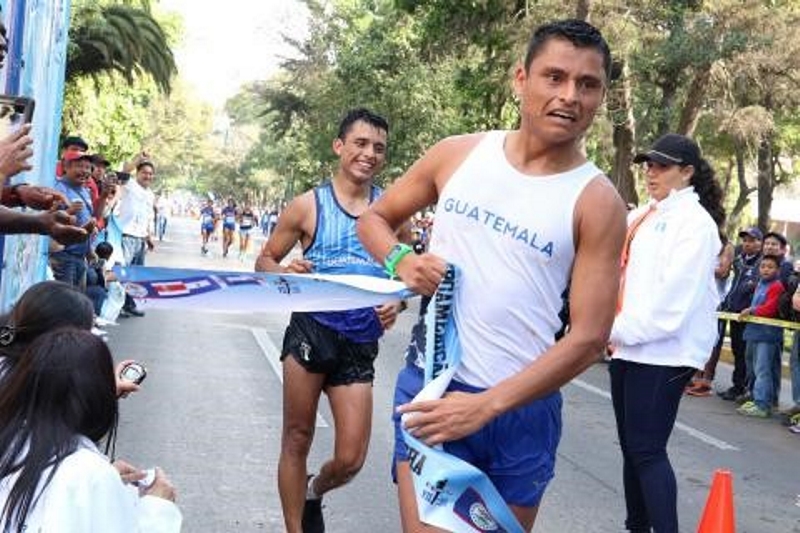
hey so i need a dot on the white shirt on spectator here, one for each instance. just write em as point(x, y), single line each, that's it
point(135, 209)
point(87, 494)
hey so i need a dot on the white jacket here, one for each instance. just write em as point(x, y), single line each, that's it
point(668, 314)
point(87, 495)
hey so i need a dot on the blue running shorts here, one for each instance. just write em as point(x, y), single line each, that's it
point(516, 450)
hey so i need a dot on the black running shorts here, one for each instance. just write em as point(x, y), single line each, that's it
point(322, 350)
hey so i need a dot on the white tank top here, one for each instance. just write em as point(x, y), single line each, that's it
point(511, 235)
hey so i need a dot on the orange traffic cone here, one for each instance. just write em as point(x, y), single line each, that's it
point(718, 513)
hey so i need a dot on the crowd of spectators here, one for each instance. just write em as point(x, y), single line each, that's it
point(758, 279)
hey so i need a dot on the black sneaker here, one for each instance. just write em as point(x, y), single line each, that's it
point(132, 311)
point(312, 517)
point(730, 394)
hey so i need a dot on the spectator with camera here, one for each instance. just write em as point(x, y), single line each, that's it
point(69, 262)
point(15, 154)
point(103, 185)
point(55, 407)
point(43, 307)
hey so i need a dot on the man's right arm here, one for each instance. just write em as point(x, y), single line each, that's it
point(57, 224)
point(418, 188)
point(291, 226)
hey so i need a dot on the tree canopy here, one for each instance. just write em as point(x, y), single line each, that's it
point(724, 72)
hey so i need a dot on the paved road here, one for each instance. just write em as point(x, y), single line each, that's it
point(210, 415)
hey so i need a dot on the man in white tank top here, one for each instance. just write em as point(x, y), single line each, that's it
point(523, 215)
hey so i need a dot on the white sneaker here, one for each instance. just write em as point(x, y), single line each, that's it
point(99, 332)
point(102, 322)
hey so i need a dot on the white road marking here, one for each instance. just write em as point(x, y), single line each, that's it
point(272, 355)
point(692, 432)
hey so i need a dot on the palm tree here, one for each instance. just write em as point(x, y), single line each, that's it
point(118, 38)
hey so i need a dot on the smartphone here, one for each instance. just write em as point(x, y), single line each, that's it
point(134, 372)
point(123, 177)
point(14, 112)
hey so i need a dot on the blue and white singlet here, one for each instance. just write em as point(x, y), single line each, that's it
point(335, 249)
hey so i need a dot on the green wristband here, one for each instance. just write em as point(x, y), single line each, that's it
point(398, 252)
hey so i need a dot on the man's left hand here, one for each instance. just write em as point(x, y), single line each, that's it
point(40, 198)
point(61, 226)
point(387, 314)
point(150, 244)
point(450, 418)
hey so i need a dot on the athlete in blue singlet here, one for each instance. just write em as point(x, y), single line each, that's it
point(207, 219)
point(330, 352)
point(228, 226)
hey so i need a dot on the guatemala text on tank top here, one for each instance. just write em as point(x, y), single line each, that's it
point(511, 235)
point(335, 249)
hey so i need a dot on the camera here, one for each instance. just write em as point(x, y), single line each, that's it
point(14, 112)
point(134, 372)
point(149, 479)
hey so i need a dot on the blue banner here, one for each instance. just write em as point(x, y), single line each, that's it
point(38, 34)
point(237, 292)
point(451, 493)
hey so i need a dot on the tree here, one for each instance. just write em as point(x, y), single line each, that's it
point(118, 38)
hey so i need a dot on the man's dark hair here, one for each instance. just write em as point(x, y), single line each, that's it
point(579, 33)
point(774, 258)
point(62, 388)
point(778, 237)
point(104, 250)
point(74, 140)
point(362, 114)
point(145, 164)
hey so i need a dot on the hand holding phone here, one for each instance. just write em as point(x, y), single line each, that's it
point(15, 143)
point(134, 372)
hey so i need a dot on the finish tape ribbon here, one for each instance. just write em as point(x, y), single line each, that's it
point(241, 292)
point(451, 493)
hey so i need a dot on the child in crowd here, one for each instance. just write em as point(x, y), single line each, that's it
point(764, 343)
point(96, 276)
point(102, 287)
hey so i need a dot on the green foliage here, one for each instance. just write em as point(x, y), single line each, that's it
point(118, 38)
point(109, 113)
point(725, 72)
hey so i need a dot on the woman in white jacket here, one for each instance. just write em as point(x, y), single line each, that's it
point(59, 401)
point(666, 325)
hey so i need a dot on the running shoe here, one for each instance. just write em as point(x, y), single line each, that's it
point(753, 410)
point(795, 429)
point(312, 517)
point(729, 394)
point(312, 514)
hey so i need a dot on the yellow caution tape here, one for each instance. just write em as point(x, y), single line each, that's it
point(759, 320)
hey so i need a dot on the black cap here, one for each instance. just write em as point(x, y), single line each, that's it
point(75, 141)
point(778, 237)
point(672, 149)
point(98, 159)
